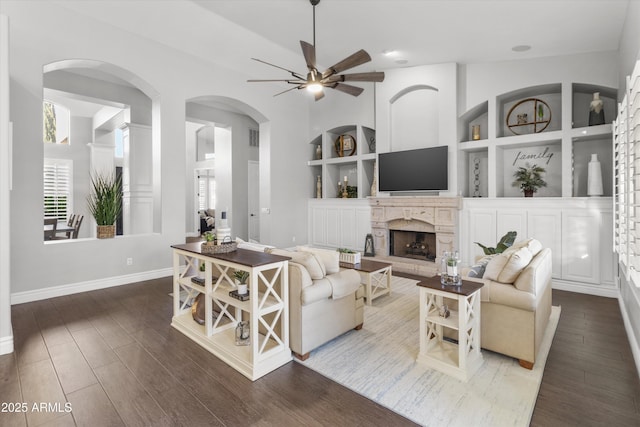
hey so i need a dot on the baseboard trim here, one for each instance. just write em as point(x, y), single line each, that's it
point(6, 345)
point(633, 342)
point(609, 291)
point(90, 285)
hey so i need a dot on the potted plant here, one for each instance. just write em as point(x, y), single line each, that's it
point(105, 203)
point(349, 256)
point(505, 242)
point(241, 281)
point(529, 179)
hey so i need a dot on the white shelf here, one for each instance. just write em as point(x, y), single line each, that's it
point(450, 322)
point(269, 342)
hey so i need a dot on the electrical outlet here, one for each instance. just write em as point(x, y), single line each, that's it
point(129, 261)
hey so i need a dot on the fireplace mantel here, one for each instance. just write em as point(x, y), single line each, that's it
point(430, 214)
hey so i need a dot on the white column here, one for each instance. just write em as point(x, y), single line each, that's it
point(6, 333)
point(137, 179)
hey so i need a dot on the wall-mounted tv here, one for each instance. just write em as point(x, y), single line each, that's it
point(423, 169)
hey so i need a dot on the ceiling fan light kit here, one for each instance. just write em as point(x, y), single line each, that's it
point(315, 81)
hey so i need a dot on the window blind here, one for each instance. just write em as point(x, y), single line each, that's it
point(57, 188)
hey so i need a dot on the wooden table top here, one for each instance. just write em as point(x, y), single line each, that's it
point(239, 256)
point(466, 289)
point(367, 265)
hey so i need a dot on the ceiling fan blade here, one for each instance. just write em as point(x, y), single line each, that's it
point(309, 52)
point(288, 90)
point(319, 95)
point(293, 73)
point(293, 82)
point(351, 90)
point(377, 76)
point(358, 58)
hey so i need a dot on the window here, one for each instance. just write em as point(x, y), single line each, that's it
point(206, 190)
point(58, 178)
point(626, 178)
point(55, 123)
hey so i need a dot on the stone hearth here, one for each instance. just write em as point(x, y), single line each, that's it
point(431, 215)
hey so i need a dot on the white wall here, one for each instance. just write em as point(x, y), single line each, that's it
point(43, 32)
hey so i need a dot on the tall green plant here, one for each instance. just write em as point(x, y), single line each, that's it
point(105, 200)
point(529, 178)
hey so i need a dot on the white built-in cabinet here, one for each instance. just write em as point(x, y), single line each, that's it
point(579, 232)
point(339, 223)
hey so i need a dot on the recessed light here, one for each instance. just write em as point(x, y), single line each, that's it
point(389, 52)
point(401, 61)
point(521, 48)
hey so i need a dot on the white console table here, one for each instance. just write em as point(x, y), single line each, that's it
point(267, 309)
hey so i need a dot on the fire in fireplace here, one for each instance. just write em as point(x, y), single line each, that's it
point(412, 244)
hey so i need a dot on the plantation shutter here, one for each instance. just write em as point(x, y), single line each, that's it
point(57, 188)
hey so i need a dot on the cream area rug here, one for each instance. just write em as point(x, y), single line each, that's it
point(379, 362)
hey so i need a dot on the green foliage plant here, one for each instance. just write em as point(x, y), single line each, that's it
point(505, 242)
point(105, 199)
point(241, 276)
point(529, 178)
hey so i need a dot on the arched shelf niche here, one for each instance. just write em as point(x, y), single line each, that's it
point(414, 118)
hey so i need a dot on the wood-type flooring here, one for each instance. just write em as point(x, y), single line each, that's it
point(111, 358)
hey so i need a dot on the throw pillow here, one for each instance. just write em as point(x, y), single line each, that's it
point(305, 259)
point(477, 269)
point(252, 246)
point(507, 266)
point(329, 258)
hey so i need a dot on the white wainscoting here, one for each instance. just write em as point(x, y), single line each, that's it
point(578, 231)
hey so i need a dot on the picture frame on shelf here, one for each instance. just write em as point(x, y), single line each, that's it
point(345, 145)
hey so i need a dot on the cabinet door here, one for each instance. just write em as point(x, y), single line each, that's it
point(334, 223)
point(607, 258)
point(511, 220)
point(348, 226)
point(482, 229)
point(318, 226)
point(545, 226)
point(581, 246)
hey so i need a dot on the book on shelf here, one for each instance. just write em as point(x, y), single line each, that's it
point(236, 295)
point(198, 280)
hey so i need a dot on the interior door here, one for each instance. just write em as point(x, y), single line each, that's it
point(253, 204)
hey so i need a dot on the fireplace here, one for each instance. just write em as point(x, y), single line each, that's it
point(412, 244)
point(412, 232)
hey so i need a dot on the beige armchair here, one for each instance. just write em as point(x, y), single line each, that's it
point(324, 300)
point(516, 301)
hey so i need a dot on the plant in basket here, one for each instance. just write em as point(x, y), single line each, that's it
point(105, 202)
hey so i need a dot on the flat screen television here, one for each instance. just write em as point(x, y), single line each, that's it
point(423, 169)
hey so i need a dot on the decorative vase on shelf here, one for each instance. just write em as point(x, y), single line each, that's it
point(318, 152)
point(374, 184)
point(596, 110)
point(594, 186)
point(242, 333)
point(319, 187)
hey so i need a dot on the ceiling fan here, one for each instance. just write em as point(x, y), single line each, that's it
point(315, 81)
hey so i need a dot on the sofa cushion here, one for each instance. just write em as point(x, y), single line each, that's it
point(320, 289)
point(330, 258)
point(343, 283)
point(306, 259)
point(534, 246)
point(252, 246)
point(507, 266)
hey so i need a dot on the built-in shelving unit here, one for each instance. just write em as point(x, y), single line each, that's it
point(564, 147)
point(267, 309)
point(332, 168)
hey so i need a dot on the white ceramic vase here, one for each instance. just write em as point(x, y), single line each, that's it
point(594, 187)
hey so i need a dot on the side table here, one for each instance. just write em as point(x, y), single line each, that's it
point(462, 359)
point(375, 276)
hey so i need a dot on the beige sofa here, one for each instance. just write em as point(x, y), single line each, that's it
point(516, 301)
point(325, 301)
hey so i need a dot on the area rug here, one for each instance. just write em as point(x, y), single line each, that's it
point(379, 362)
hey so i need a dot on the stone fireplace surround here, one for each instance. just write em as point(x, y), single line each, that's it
point(437, 215)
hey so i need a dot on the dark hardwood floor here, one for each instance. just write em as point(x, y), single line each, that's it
point(113, 356)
